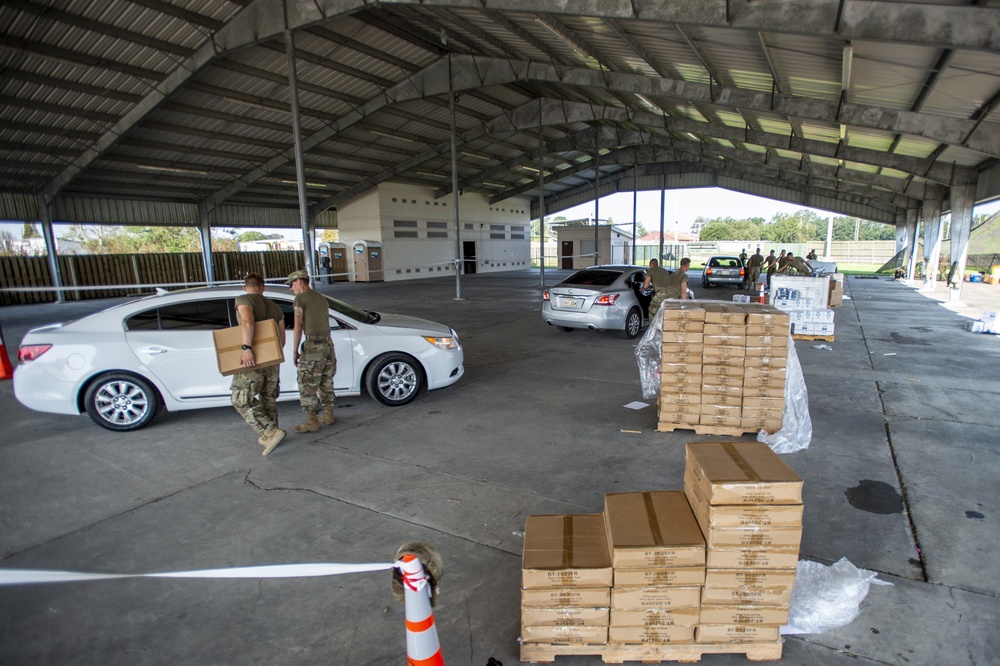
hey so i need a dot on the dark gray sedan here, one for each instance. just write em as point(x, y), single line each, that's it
point(720, 270)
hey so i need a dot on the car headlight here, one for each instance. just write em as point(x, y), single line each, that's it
point(442, 343)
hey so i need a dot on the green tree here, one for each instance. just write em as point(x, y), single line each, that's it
point(252, 235)
point(329, 235)
point(716, 230)
point(30, 231)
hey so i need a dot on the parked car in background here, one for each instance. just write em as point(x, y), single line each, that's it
point(600, 298)
point(723, 270)
point(121, 365)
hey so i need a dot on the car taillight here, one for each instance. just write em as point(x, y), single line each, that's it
point(708, 271)
point(607, 299)
point(545, 296)
point(28, 353)
point(743, 271)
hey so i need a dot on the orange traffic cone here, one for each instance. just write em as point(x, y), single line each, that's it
point(422, 645)
point(6, 369)
point(763, 294)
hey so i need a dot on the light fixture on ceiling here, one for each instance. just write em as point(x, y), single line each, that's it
point(525, 167)
point(256, 105)
point(285, 181)
point(153, 167)
point(845, 67)
point(579, 50)
point(390, 135)
point(648, 103)
point(432, 174)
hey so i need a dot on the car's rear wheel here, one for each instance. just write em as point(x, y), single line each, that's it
point(121, 402)
point(633, 324)
point(394, 379)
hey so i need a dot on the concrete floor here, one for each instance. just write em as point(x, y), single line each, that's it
point(900, 478)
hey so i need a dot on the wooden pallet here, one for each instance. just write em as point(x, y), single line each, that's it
point(803, 336)
point(649, 653)
point(700, 429)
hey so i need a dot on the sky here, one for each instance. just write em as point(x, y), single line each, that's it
point(683, 206)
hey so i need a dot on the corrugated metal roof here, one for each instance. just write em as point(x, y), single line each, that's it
point(78, 88)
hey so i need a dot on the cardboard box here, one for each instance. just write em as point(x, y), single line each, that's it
point(781, 330)
point(719, 421)
point(679, 399)
point(655, 635)
point(688, 325)
point(764, 373)
point(677, 577)
point(721, 410)
point(673, 378)
point(677, 337)
point(682, 309)
point(736, 633)
point(764, 595)
point(672, 366)
point(771, 425)
point(725, 313)
point(717, 370)
point(753, 537)
point(766, 315)
point(662, 597)
point(652, 617)
point(679, 413)
point(565, 616)
point(765, 616)
point(725, 400)
point(750, 578)
point(565, 551)
point(776, 341)
point(725, 387)
point(771, 405)
point(745, 515)
point(677, 349)
point(723, 353)
point(742, 473)
point(738, 330)
point(773, 389)
point(577, 597)
point(761, 358)
point(754, 558)
point(266, 346)
point(564, 635)
point(652, 530)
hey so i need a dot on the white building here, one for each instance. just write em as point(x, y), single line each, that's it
point(417, 231)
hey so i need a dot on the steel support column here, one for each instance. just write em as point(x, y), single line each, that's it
point(912, 231)
point(308, 239)
point(663, 212)
point(597, 208)
point(45, 213)
point(933, 228)
point(205, 234)
point(963, 198)
point(541, 200)
point(454, 184)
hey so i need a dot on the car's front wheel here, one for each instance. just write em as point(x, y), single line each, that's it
point(121, 402)
point(633, 324)
point(394, 379)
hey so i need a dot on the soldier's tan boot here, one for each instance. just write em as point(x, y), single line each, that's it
point(311, 424)
point(327, 418)
point(271, 439)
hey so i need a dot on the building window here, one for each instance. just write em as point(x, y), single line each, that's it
point(437, 225)
point(437, 234)
point(497, 227)
point(517, 236)
point(404, 224)
point(498, 236)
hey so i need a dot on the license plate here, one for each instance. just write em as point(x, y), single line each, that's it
point(571, 302)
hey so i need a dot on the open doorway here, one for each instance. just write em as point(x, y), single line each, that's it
point(468, 257)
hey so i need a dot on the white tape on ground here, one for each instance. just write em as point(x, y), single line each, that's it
point(32, 576)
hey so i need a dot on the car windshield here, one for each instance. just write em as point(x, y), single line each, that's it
point(352, 312)
point(594, 277)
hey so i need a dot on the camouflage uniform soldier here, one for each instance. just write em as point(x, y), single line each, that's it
point(315, 358)
point(666, 284)
point(255, 391)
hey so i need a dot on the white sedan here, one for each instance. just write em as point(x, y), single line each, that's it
point(122, 364)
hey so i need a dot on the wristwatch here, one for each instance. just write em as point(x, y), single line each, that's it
point(245, 347)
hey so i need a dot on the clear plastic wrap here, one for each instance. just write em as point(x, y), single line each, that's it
point(796, 425)
point(647, 355)
point(827, 597)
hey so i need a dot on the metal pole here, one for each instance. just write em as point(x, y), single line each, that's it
point(45, 213)
point(454, 188)
point(300, 174)
point(597, 205)
point(635, 202)
point(541, 200)
point(663, 212)
point(205, 232)
point(829, 239)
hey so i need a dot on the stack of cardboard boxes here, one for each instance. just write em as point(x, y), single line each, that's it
point(807, 302)
point(665, 570)
point(658, 556)
point(748, 503)
point(565, 580)
point(722, 367)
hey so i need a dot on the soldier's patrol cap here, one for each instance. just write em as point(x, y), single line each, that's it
point(298, 275)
